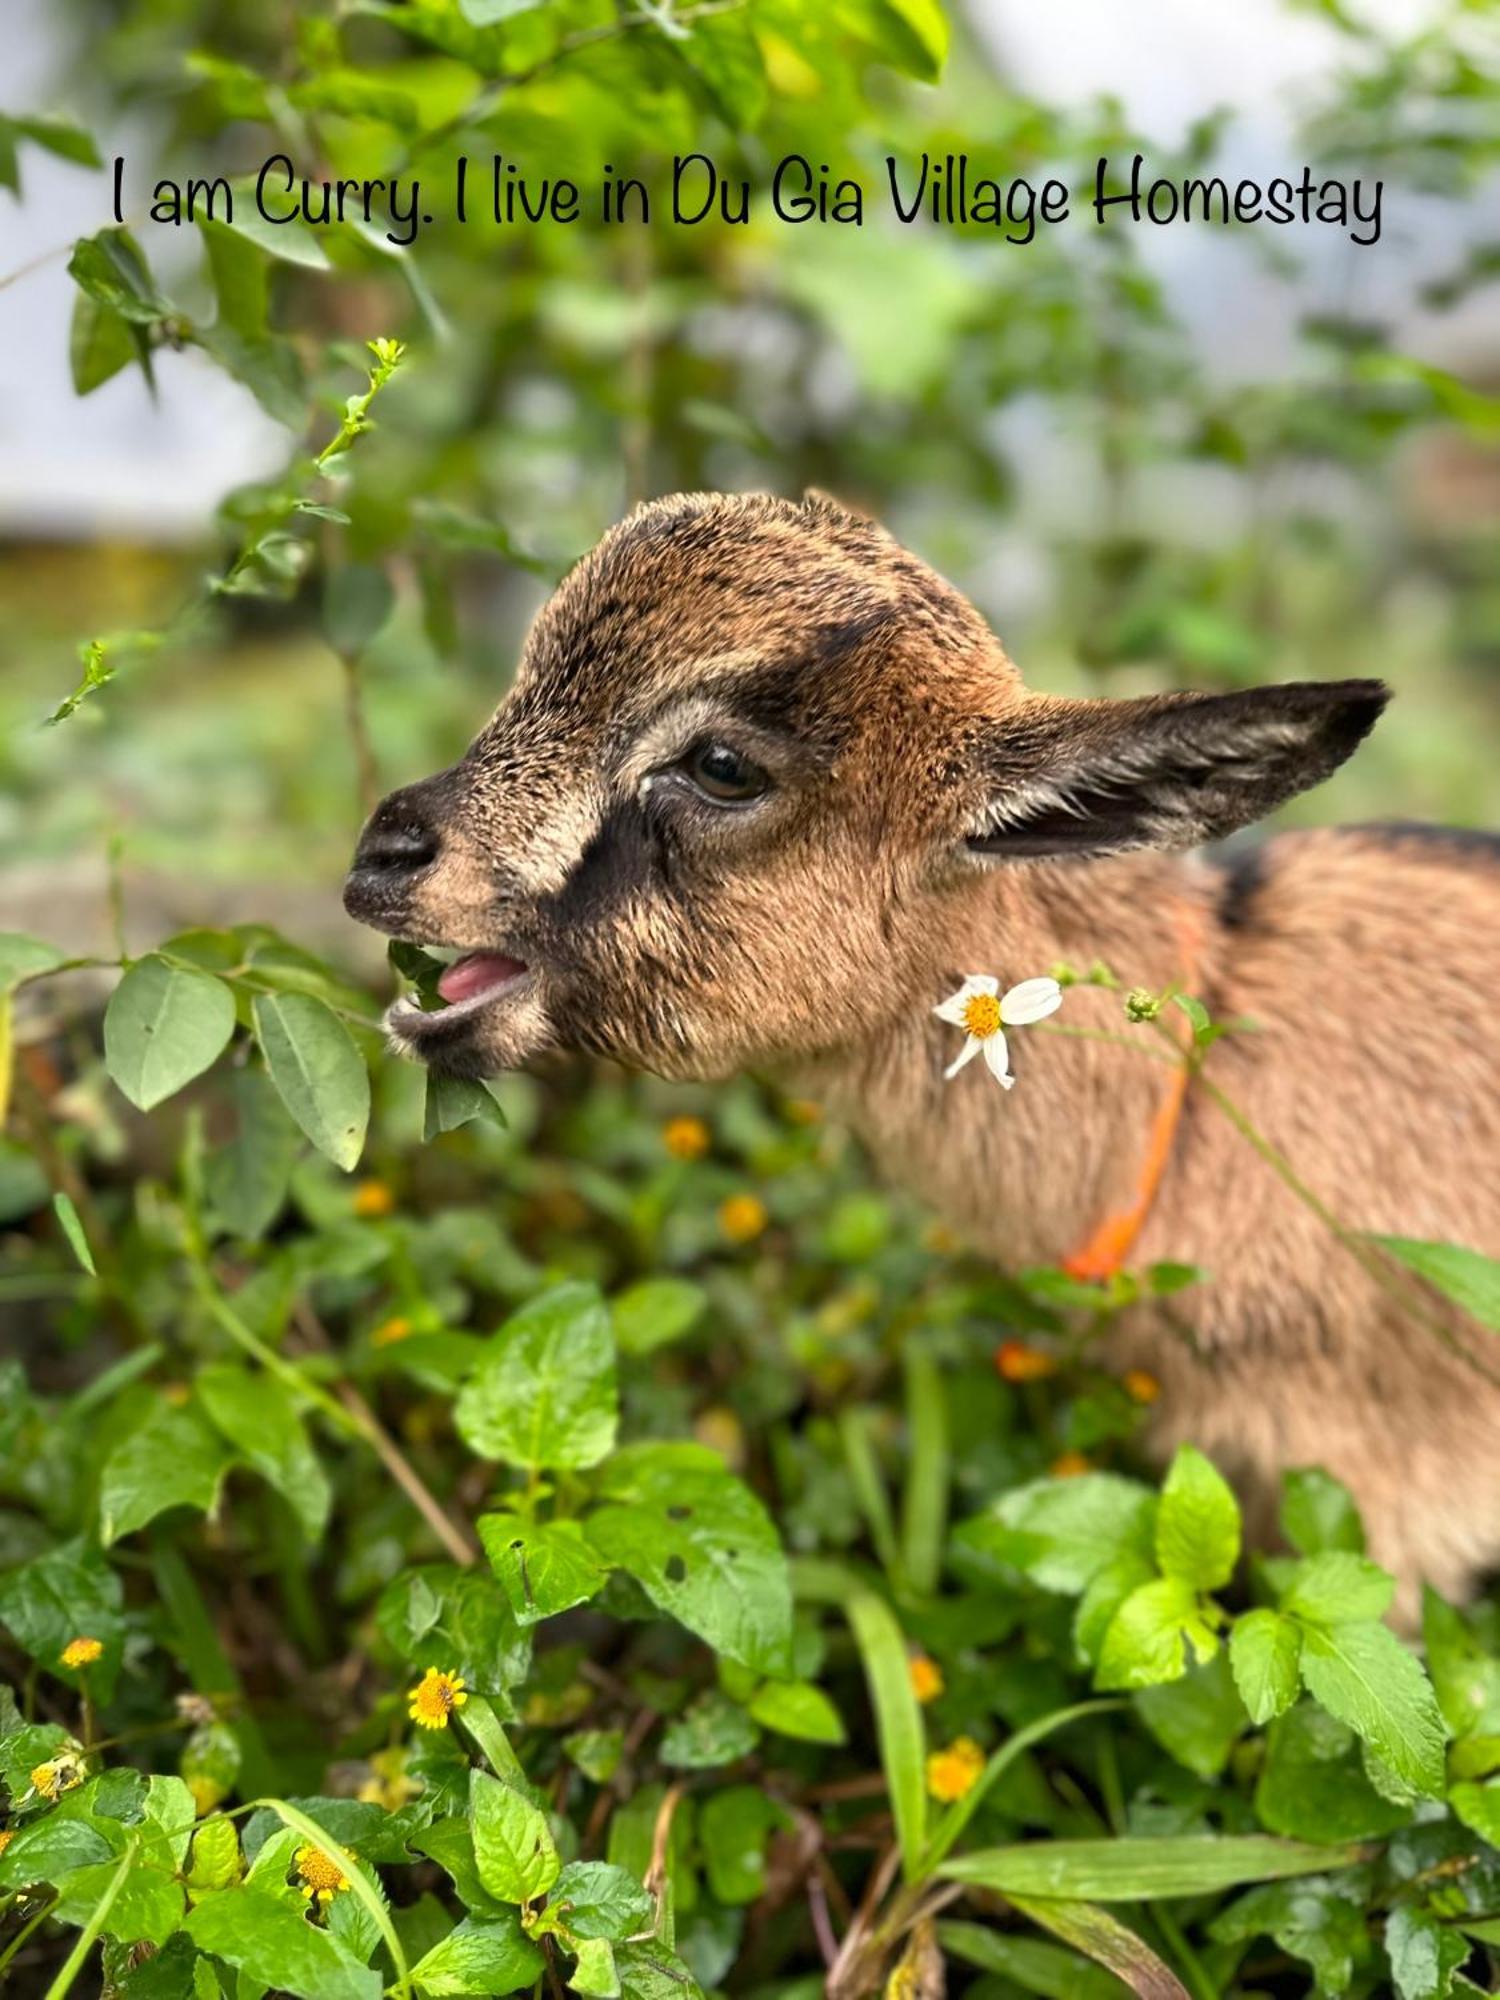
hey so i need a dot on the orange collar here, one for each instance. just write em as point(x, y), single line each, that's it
point(1104, 1251)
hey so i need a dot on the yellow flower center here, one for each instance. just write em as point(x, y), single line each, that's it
point(390, 1331)
point(321, 1873)
point(981, 1016)
point(81, 1652)
point(435, 1697)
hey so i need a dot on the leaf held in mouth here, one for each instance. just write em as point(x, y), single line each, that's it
point(420, 969)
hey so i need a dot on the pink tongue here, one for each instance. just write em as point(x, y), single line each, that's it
point(477, 973)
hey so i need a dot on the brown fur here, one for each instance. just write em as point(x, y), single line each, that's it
point(930, 817)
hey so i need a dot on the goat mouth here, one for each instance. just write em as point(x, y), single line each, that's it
point(471, 985)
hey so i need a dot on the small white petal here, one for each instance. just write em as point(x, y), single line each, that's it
point(997, 1057)
point(981, 982)
point(1032, 1000)
point(966, 1054)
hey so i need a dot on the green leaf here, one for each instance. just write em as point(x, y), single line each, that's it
point(1318, 1514)
point(797, 1708)
point(1198, 1719)
point(173, 1460)
point(702, 1547)
point(1478, 1806)
point(247, 1178)
point(1197, 1523)
point(1062, 1532)
point(1264, 1651)
point(100, 344)
point(257, 1416)
point(62, 137)
point(1424, 1954)
point(163, 1026)
point(649, 1970)
point(1322, 1922)
point(1471, 1280)
point(594, 1970)
point(1313, 1785)
point(655, 1311)
point(319, 1072)
point(1138, 1869)
point(545, 1568)
point(452, 1101)
point(480, 1955)
point(438, 1615)
point(269, 1940)
point(899, 1730)
point(109, 267)
point(1029, 1963)
point(911, 34)
point(1107, 1941)
point(289, 242)
point(1465, 1677)
point(23, 957)
point(596, 1752)
point(71, 1224)
point(1145, 1641)
point(735, 1825)
point(544, 1395)
point(1364, 1676)
point(68, 1592)
point(1337, 1588)
point(711, 1731)
point(594, 1899)
point(513, 1846)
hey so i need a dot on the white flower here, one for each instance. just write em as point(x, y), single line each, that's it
point(981, 1010)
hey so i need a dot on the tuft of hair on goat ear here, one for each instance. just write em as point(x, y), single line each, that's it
point(1081, 778)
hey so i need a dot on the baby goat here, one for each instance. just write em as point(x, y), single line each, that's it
point(766, 788)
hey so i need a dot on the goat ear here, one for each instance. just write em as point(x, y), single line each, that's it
point(1098, 777)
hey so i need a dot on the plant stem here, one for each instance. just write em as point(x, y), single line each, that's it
point(73, 1964)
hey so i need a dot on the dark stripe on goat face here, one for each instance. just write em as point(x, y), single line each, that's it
point(624, 859)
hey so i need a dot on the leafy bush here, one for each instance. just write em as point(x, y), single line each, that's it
point(608, 1547)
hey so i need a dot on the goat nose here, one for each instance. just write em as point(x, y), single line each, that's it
point(397, 841)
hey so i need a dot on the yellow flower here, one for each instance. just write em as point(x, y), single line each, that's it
point(388, 1784)
point(802, 1111)
point(1068, 1465)
point(373, 1198)
point(954, 1771)
point(82, 1652)
point(686, 1138)
point(742, 1217)
point(61, 1774)
point(926, 1678)
point(390, 1331)
point(1019, 1363)
point(7, 1835)
point(1139, 1386)
point(321, 1875)
point(435, 1697)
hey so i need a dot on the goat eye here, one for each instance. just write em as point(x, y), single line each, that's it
point(723, 774)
